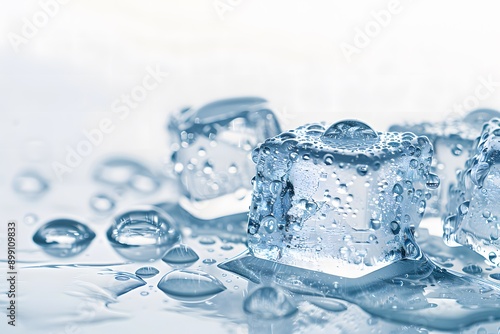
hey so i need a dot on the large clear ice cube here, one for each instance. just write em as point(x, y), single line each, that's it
point(211, 153)
point(343, 200)
point(452, 140)
point(474, 221)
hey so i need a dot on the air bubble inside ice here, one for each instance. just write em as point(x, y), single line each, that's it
point(144, 234)
point(63, 237)
point(190, 285)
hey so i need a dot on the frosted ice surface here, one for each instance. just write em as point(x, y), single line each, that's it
point(211, 152)
point(473, 204)
point(342, 200)
point(452, 140)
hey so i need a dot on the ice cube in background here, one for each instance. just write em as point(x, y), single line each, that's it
point(474, 221)
point(211, 153)
point(452, 140)
point(343, 200)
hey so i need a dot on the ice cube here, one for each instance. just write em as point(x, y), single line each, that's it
point(211, 153)
point(343, 200)
point(452, 140)
point(474, 219)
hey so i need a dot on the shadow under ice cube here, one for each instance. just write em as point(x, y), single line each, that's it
point(452, 140)
point(474, 222)
point(212, 147)
point(343, 200)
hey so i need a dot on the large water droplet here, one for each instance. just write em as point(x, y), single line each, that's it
point(180, 256)
point(143, 234)
point(147, 272)
point(63, 237)
point(269, 303)
point(190, 285)
point(349, 129)
point(30, 184)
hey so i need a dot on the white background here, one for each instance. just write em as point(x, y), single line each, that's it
point(64, 79)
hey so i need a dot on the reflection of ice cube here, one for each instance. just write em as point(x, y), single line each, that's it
point(474, 200)
point(344, 200)
point(452, 139)
point(212, 147)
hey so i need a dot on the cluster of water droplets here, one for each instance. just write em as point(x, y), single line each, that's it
point(452, 139)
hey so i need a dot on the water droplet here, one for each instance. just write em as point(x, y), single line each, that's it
point(413, 163)
point(190, 285)
point(233, 169)
point(180, 256)
point(120, 277)
point(143, 234)
point(395, 227)
point(375, 224)
point(209, 261)
point(362, 170)
point(102, 203)
point(206, 241)
point(328, 159)
point(495, 276)
point(457, 150)
point(397, 189)
point(30, 184)
point(492, 257)
point(421, 207)
point(349, 129)
point(30, 218)
point(433, 181)
point(269, 303)
point(472, 269)
point(144, 293)
point(63, 237)
point(147, 272)
point(226, 247)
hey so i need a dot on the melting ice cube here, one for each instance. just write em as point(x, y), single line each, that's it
point(452, 140)
point(474, 219)
point(211, 153)
point(343, 200)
